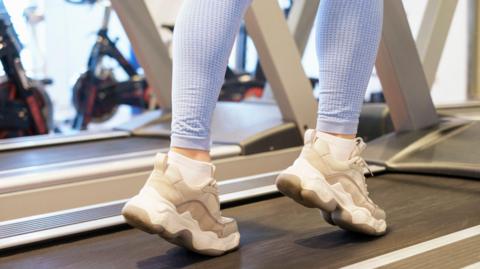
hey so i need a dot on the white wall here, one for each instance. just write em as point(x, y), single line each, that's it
point(450, 85)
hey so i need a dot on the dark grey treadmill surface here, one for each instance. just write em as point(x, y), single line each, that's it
point(451, 148)
point(461, 146)
point(277, 233)
point(78, 151)
point(250, 118)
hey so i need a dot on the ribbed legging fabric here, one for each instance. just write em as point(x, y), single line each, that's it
point(347, 38)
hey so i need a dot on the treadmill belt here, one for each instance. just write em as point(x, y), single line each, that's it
point(77, 151)
point(278, 233)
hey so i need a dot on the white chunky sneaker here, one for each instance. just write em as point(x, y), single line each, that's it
point(338, 188)
point(184, 215)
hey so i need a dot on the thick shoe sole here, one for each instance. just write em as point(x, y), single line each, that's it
point(336, 205)
point(179, 229)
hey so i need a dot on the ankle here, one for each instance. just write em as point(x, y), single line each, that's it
point(193, 172)
point(198, 155)
point(341, 146)
point(345, 136)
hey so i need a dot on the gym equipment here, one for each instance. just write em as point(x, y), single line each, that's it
point(430, 41)
point(25, 108)
point(123, 156)
point(424, 142)
point(96, 93)
point(276, 233)
point(241, 85)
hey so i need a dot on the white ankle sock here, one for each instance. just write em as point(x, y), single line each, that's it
point(340, 148)
point(195, 173)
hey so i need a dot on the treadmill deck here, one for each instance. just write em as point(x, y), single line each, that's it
point(278, 233)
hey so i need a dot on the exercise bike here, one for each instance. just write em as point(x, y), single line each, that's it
point(96, 93)
point(25, 108)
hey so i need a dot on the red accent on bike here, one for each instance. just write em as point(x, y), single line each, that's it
point(89, 108)
point(254, 92)
point(37, 115)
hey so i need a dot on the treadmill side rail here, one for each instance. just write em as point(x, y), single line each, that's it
point(115, 180)
point(56, 139)
point(401, 73)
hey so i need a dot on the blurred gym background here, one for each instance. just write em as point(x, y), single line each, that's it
point(58, 37)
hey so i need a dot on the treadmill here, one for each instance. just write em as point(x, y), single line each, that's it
point(428, 140)
point(63, 172)
point(433, 219)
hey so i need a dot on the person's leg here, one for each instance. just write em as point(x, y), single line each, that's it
point(329, 172)
point(347, 38)
point(204, 35)
point(181, 193)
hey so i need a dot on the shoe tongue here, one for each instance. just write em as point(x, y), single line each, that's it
point(309, 136)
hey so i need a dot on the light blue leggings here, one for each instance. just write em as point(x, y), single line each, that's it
point(347, 38)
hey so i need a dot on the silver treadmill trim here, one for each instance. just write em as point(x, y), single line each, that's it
point(60, 232)
point(105, 188)
point(410, 251)
point(26, 178)
point(266, 187)
point(56, 139)
point(472, 266)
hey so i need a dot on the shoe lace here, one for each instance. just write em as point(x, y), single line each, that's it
point(362, 165)
point(359, 146)
point(214, 186)
point(360, 162)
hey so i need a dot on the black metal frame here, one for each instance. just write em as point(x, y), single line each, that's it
point(21, 101)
